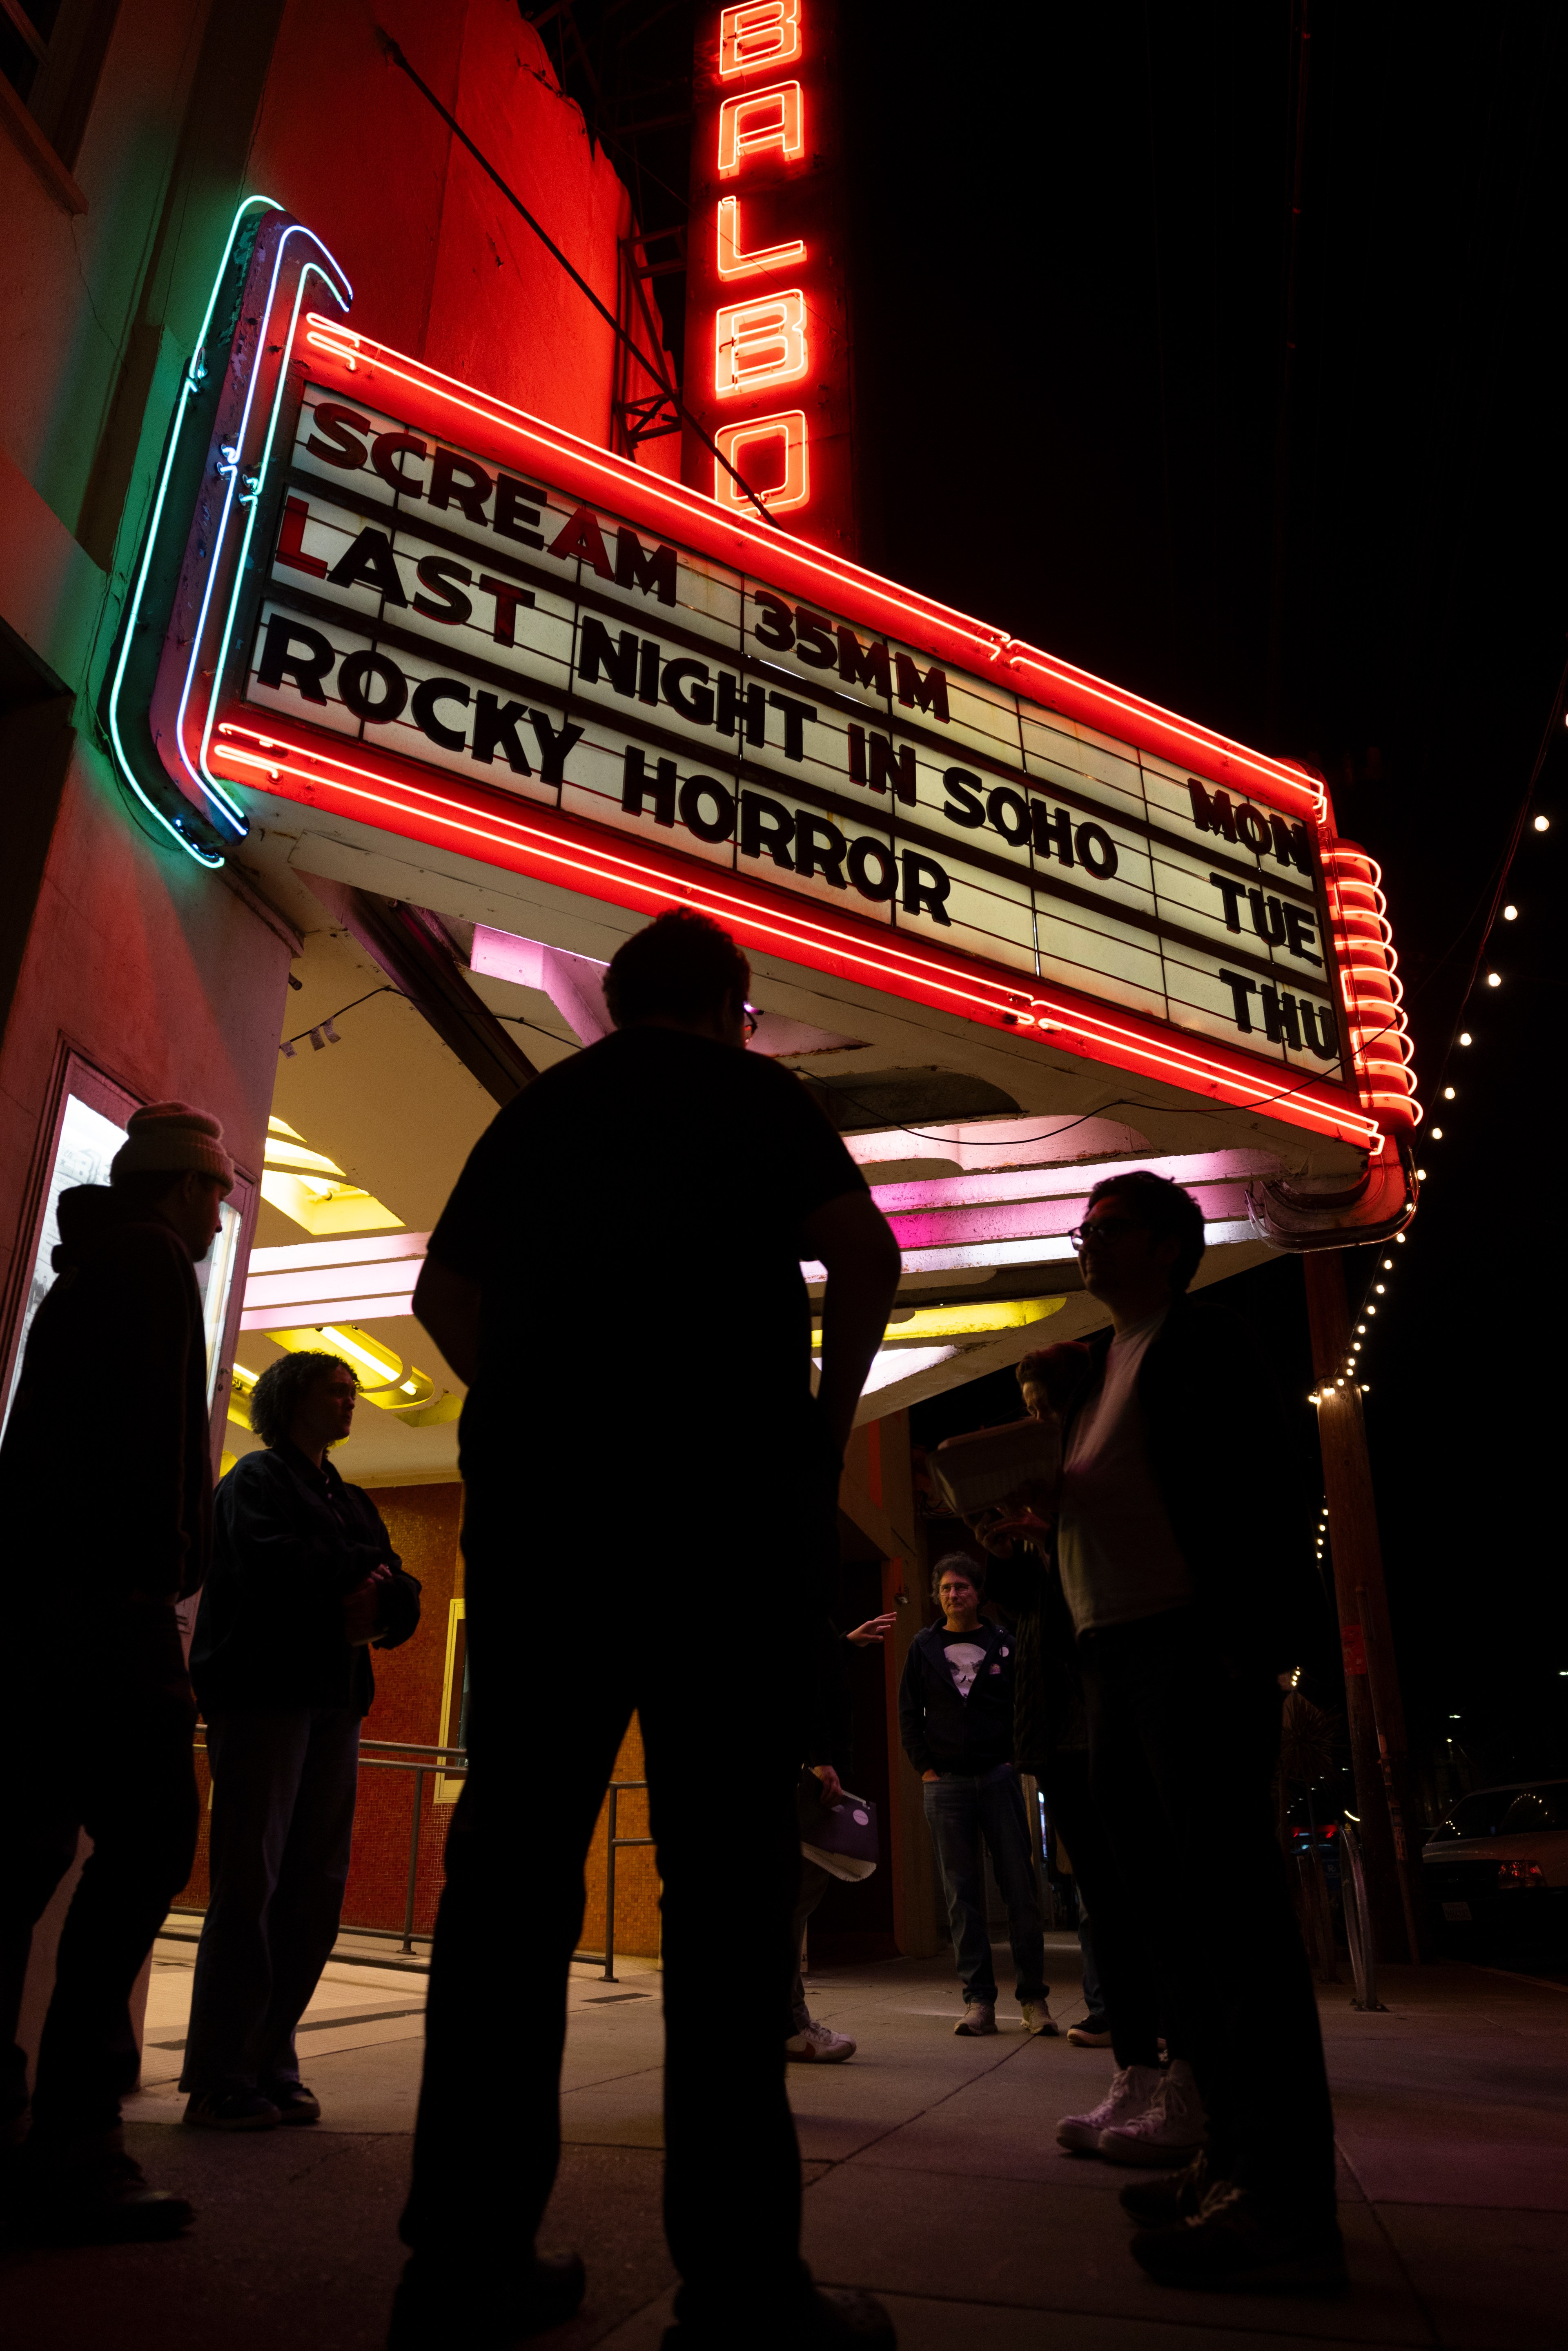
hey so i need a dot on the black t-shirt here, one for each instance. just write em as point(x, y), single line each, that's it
point(634, 1221)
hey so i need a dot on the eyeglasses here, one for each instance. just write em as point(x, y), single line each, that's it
point(751, 1021)
point(1104, 1228)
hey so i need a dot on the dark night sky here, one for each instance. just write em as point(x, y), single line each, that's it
point(1069, 323)
point(1071, 337)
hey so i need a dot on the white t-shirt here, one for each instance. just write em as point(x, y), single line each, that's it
point(1114, 1547)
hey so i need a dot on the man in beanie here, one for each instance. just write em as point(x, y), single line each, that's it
point(106, 1493)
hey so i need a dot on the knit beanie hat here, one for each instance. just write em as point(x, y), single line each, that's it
point(171, 1138)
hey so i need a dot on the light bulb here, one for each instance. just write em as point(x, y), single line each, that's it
point(1544, 824)
point(1400, 1238)
point(1436, 1132)
point(1494, 979)
point(1511, 914)
point(1388, 1265)
point(1465, 1036)
point(1447, 1094)
point(1420, 1175)
point(1383, 1285)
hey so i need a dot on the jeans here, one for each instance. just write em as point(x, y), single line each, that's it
point(1182, 1754)
point(283, 1818)
point(961, 1810)
point(120, 1768)
point(814, 1883)
point(723, 1732)
point(1093, 1995)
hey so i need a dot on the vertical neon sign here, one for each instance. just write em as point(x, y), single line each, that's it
point(767, 350)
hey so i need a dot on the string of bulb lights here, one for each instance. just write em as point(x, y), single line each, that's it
point(1375, 1297)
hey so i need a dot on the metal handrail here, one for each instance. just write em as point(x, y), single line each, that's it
point(618, 1788)
point(1358, 1927)
point(459, 1771)
point(401, 1747)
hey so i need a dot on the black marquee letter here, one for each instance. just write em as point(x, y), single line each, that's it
point(926, 887)
point(1096, 851)
point(426, 696)
point(553, 744)
point(885, 886)
point(307, 669)
point(1240, 989)
point(693, 791)
point(353, 683)
point(369, 563)
point(495, 730)
point(964, 788)
point(637, 786)
point(819, 848)
point(766, 826)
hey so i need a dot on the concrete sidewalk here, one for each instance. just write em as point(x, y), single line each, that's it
point(932, 2177)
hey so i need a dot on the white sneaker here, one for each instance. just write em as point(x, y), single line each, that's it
point(1037, 2017)
point(1170, 2129)
point(1131, 2091)
point(979, 2018)
point(817, 2046)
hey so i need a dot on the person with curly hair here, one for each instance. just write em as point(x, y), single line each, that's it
point(304, 1581)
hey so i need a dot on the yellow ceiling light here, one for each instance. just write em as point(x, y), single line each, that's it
point(384, 1379)
point(961, 1321)
point(313, 1191)
point(242, 1379)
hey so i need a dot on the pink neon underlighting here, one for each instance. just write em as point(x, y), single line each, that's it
point(761, 122)
point(734, 262)
point(301, 1256)
point(921, 974)
point(857, 593)
point(324, 1310)
point(760, 33)
point(1070, 1181)
point(1024, 1220)
point(278, 1290)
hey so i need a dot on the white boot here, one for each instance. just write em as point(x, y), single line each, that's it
point(1131, 2091)
point(815, 2044)
point(979, 2017)
point(1170, 2129)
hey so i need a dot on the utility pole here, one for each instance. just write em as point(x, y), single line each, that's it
point(1374, 1705)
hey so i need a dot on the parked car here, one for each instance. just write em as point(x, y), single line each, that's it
point(1497, 1868)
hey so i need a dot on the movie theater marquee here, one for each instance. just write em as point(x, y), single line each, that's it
point(429, 604)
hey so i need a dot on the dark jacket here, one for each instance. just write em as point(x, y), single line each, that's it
point(291, 1541)
point(1219, 1452)
point(105, 1471)
point(1048, 1690)
point(944, 1732)
point(1216, 1449)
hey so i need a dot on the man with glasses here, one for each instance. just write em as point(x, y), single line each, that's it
point(1188, 1603)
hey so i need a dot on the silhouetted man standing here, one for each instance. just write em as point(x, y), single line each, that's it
point(618, 1278)
point(108, 1518)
